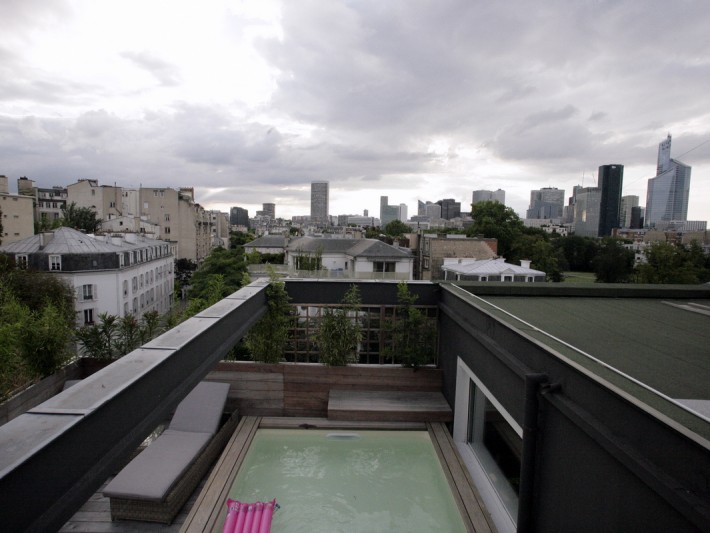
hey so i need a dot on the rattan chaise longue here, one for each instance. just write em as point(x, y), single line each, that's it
point(158, 481)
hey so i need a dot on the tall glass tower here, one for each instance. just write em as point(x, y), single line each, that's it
point(611, 179)
point(667, 193)
point(319, 202)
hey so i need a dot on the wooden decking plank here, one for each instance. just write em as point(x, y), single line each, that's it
point(210, 502)
point(464, 489)
point(389, 405)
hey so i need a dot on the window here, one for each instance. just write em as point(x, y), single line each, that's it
point(125, 287)
point(141, 282)
point(490, 442)
point(55, 262)
point(507, 278)
point(120, 260)
point(87, 292)
point(88, 317)
point(167, 217)
point(21, 261)
point(134, 283)
point(167, 230)
point(383, 266)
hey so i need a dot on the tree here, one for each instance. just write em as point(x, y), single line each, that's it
point(396, 228)
point(267, 339)
point(1, 233)
point(495, 220)
point(229, 264)
point(613, 263)
point(412, 336)
point(536, 247)
point(578, 251)
point(80, 218)
point(339, 332)
point(668, 263)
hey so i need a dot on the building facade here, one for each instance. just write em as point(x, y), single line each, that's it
point(488, 196)
point(432, 249)
point(587, 206)
point(611, 180)
point(17, 214)
point(105, 200)
point(627, 205)
point(320, 198)
point(545, 203)
point(118, 275)
point(667, 193)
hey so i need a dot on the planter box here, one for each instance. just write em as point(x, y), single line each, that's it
point(302, 389)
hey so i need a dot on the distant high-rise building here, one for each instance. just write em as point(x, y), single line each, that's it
point(627, 204)
point(269, 210)
point(667, 193)
point(587, 211)
point(238, 216)
point(486, 196)
point(611, 179)
point(450, 208)
point(547, 202)
point(403, 212)
point(637, 216)
point(319, 202)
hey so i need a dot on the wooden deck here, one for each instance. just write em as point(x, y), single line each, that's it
point(473, 511)
point(400, 406)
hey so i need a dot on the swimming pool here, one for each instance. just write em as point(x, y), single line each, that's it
point(348, 481)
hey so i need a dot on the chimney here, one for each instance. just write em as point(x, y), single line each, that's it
point(525, 263)
point(45, 238)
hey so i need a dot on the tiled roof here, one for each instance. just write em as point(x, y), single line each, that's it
point(353, 247)
point(69, 241)
point(268, 241)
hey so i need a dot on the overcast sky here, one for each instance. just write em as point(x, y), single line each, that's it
point(248, 102)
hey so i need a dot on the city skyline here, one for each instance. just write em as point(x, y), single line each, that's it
point(250, 102)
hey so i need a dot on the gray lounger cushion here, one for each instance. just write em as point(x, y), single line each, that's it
point(201, 410)
point(151, 475)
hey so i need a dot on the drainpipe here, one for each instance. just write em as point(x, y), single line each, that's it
point(533, 383)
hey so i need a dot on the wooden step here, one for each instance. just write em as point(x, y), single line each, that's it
point(401, 406)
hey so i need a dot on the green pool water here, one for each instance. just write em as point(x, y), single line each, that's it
point(349, 481)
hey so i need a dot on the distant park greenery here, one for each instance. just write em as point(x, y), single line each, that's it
point(36, 325)
point(607, 258)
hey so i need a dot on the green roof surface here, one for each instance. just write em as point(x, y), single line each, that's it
point(662, 343)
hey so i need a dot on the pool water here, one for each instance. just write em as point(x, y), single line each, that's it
point(333, 481)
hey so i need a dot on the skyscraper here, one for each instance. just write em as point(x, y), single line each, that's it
point(627, 204)
point(319, 202)
point(238, 216)
point(450, 208)
point(546, 203)
point(587, 211)
point(269, 210)
point(611, 179)
point(667, 193)
point(484, 196)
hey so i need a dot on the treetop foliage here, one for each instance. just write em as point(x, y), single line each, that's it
point(80, 218)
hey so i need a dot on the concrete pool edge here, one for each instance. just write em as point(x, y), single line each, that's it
point(208, 511)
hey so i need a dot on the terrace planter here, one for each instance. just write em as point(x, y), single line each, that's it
point(302, 389)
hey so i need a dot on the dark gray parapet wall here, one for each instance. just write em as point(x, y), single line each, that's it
point(54, 457)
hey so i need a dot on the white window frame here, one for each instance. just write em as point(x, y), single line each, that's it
point(55, 263)
point(478, 461)
point(87, 292)
point(21, 261)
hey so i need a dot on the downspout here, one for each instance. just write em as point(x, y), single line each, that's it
point(528, 466)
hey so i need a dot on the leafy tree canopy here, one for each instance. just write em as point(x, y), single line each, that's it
point(495, 220)
point(613, 263)
point(668, 263)
point(395, 228)
point(229, 264)
point(80, 218)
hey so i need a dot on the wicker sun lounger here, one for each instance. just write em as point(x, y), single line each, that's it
point(156, 483)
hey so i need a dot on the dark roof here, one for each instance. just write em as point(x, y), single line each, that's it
point(377, 249)
point(634, 343)
point(268, 241)
point(371, 248)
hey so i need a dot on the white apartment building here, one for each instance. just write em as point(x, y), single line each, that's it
point(118, 275)
point(17, 214)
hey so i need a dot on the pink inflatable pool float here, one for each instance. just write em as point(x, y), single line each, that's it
point(249, 517)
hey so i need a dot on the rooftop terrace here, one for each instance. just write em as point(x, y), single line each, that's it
point(605, 380)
